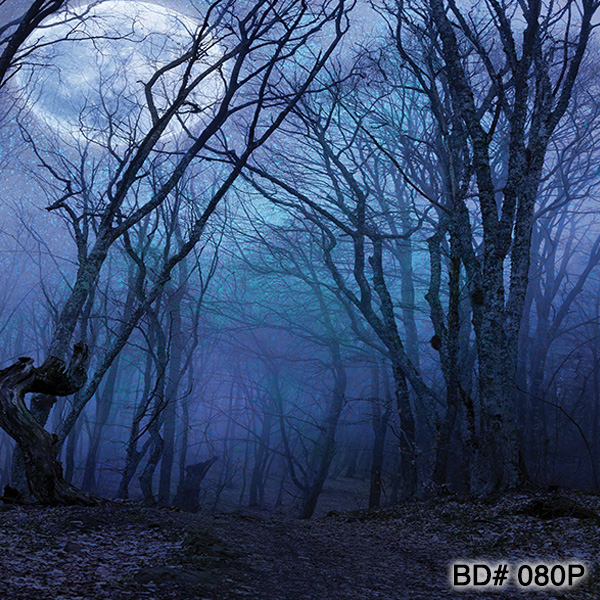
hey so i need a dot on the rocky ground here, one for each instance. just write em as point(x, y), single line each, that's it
point(127, 552)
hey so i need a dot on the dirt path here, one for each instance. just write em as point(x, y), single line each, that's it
point(125, 552)
point(332, 559)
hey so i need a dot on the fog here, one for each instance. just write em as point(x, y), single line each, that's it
point(317, 258)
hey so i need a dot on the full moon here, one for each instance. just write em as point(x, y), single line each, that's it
point(85, 74)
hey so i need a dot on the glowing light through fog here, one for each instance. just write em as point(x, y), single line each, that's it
point(98, 58)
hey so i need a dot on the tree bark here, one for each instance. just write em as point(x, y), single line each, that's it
point(104, 402)
point(327, 442)
point(44, 471)
point(188, 493)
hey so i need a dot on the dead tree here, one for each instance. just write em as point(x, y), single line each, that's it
point(481, 100)
point(188, 492)
point(44, 471)
point(260, 43)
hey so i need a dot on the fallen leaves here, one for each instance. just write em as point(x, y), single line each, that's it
point(126, 552)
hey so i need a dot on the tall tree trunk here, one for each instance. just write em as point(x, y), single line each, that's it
point(379, 421)
point(133, 456)
point(184, 433)
point(147, 475)
point(447, 344)
point(104, 403)
point(261, 455)
point(169, 413)
point(326, 448)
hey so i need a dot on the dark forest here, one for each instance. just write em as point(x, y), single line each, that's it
point(299, 299)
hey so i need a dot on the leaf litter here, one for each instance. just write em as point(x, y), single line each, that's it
point(124, 551)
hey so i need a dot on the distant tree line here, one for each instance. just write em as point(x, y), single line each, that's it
point(366, 267)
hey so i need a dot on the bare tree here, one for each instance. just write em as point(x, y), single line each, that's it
point(259, 45)
point(496, 111)
point(14, 33)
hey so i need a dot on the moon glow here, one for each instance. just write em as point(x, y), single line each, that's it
point(85, 74)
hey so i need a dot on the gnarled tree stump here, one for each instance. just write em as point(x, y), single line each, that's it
point(188, 493)
point(44, 471)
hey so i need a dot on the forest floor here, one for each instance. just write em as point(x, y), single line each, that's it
point(127, 552)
